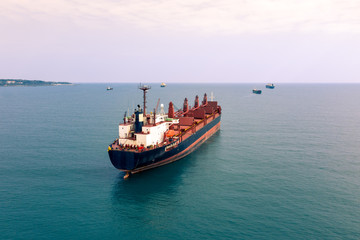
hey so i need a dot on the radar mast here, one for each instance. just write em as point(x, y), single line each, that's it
point(144, 88)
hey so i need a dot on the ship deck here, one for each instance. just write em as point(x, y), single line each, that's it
point(180, 131)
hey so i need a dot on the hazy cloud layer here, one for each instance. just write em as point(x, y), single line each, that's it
point(211, 17)
point(180, 40)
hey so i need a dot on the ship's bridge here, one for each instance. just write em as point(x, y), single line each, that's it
point(151, 134)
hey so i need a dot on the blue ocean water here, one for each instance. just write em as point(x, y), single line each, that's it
point(285, 165)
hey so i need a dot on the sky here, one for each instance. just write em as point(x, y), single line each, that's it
point(240, 41)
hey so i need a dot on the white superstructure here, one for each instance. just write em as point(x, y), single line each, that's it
point(151, 134)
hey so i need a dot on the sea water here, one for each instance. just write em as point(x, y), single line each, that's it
point(285, 165)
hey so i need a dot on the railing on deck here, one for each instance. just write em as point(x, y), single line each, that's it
point(180, 135)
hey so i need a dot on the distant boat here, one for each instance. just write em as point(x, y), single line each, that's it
point(163, 85)
point(109, 88)
point(256, 91)
point(270, 85)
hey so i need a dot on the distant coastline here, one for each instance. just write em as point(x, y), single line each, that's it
point(29, 83)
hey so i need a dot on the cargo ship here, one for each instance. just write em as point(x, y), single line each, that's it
point(270, 85)
point(151, 140)
point(256, 91)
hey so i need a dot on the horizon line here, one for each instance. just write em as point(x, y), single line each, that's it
point(217, 82)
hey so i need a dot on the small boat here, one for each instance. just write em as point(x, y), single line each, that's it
point(109, 88)
point(270, 85)
point(163, 85)
point(256, 91)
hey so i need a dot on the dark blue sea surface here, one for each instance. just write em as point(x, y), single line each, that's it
point(285, 165)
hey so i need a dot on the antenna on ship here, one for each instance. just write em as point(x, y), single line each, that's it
point(144, 88)
point(125, 114)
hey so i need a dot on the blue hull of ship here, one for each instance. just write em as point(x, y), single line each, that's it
point(138, 161)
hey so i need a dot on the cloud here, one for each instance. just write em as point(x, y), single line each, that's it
point(229, 17)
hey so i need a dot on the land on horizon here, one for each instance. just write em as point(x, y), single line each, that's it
point(29, 83)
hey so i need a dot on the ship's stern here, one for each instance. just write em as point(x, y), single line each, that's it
point(123, 160)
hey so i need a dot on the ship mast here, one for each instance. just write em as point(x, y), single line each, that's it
point(144, 88)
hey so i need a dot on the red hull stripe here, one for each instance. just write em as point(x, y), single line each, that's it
point(183, 153)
